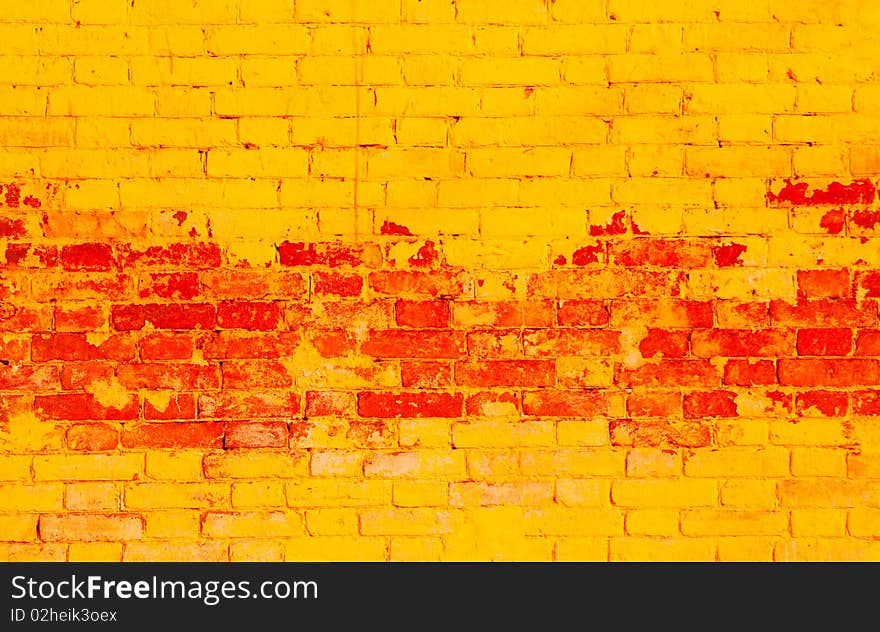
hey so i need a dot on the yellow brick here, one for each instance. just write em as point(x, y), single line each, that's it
point(415, 549)
point(418, 162)
point(21, 552)
point(15, 467)
point(696, 130)
point(267, 162)
point(256, 551)
point(655, 160)
point(731, 36)
point(331, 521)
point(499, 40)
point(503, 434)
point(818, 462)
point(581, 550)
point(252, 524)
point(337, 493)
point(101, 132)
point(655, 38)
point(421, 131)
point(183, 133)
point(506, 162)
point(673, 191)
point(574, 492)
point(726, 522)
point(420, 493)
point(664, 493)
point(18, 528)
point(660, 68)
point(174, 523)
point(414, 464)
point(175, 552)
point(269, 71)
point(93, 71)
point(95, 551)
point(748, 68)
point(583, 433)
point(408, 521)
point(650, 462)
point(347, 11)
point(258, 494)
point(171, 12)
point(91, 496)
point(256, 465)
point(91, 101)
point(824, 99)
point(647, 11)
point(751, 128)
point(819, 522)
point(573, 521)
point(176, 495)
point(335, 549)
point(654, 522)
point(749, 494)
point(739, 99)
point(761, 462)
point(500, 12)
point(264, 131)
point(88, 467)
point(576, 101)
point(23, 498)
point(746, 549)
point(171, 162)
point(32, 70)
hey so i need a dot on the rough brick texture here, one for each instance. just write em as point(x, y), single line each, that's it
point(439, 279)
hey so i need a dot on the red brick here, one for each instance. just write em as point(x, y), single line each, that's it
point(247, 405)
point(22, 319)
point(255, 374)
point(78, 406)
point(179, 406)
point(79, 318)
point(92, 437)
point(823, 372)
point(173, 435)
point(166, 346)
point(337, 284)
point(423, 314)
point(665, 253)
point(582, 314)
point(737, 315)
point(654, 404)
point(320, 254)
point(534, 373)
point(868, 343)
point(15, 349)
point(823, 284)
point(73, 346)
point(425, 374)
point(672, 372)
point(19, 377)
point(662, 313)
point(824, 342)
point(551, 403)
point(438, 283)
point(328, 403)
point(664, 342)
point(90, 257)
point(553, 343)
point(199, 255)
point(710, 404)
point(495, 343)
point(225, 345)
point(824, 313)
point(643, 433)
point(247, 315)
point(78, 375)
point(710, 343)
point(334, 344)
point(423, 404)
point(414, 344)
point(827, 403)
point(176, 285)
point(182, 377)
point(71, 287)
point(868, 284)
point(163, 316)
point(749, 373)
point(866, 403)
point(266, 434)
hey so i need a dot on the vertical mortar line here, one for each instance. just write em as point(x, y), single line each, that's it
point(358, 74)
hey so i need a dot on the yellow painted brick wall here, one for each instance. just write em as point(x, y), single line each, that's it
point(439, 280)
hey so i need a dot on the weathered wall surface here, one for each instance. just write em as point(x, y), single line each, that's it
point(482, 279)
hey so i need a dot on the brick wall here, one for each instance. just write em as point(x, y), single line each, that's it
point(421, 279)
